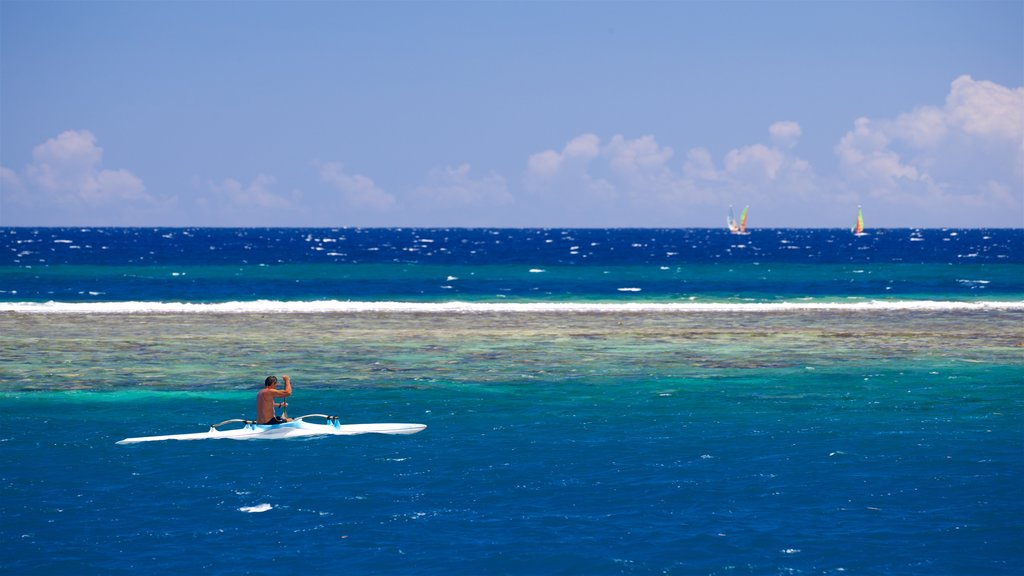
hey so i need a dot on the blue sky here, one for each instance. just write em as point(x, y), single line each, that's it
point(659, 114)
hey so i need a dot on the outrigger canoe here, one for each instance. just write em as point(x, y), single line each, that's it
point(298, 427)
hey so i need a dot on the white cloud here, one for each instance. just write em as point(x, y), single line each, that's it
point(9, 179)
point(454, 187)
point(66, 184)
point(758, 160)
point(958, 159)
point(628, 158)
point(357, 190)
point(566, 177)
point(968, 153)
point(700, 165)
point(547, 164)
point(544, 164)
point(638, 155)
point(785, 133)
point(925, 127)
point(67, 170)
point(588, 174)
point(779, 183)
point(952, 163)
point(865, 155)
point(985, 108)
point(640, 178)
point(258, 194)
point(585, 146)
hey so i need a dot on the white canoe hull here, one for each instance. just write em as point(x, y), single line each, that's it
point(294, 429)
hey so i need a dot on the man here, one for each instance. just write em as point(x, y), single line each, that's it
point(265, 401)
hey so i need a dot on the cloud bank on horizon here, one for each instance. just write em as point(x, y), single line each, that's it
point(958, 163)
point(964, 157)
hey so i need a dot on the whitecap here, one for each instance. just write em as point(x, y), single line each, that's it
point(255, 509)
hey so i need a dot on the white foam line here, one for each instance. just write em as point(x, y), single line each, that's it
point(338, 306)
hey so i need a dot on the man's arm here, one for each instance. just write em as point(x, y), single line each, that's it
point(287, 388)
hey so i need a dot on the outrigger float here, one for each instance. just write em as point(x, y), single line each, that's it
point(297, 428)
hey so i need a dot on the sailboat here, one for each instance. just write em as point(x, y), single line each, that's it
point(858, 228)
point(737, 227)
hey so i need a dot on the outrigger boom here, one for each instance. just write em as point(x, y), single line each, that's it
point(298, 427)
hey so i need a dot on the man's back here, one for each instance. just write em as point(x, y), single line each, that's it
point(265, 404)
point(265, 398)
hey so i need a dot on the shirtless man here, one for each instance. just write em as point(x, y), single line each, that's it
point(265, 400)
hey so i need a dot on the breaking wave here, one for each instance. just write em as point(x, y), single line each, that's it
point(355, 307)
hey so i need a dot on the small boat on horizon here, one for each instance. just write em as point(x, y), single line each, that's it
point(734, 226)
point(858, 227)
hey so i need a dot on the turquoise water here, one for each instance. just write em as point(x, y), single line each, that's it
point(706, 282)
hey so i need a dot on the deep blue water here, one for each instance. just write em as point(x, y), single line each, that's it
point(817, 476)
point(476, 246)
point(222, 265)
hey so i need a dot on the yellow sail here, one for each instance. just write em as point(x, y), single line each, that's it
point(858, 228)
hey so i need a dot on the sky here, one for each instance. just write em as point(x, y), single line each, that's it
point(511, 114)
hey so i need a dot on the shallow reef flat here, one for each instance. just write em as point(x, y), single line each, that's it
point(229, 351)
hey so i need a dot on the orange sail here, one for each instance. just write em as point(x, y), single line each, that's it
point(858, 228)
point(734, 226)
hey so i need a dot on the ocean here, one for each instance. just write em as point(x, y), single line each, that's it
point(597, 401)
